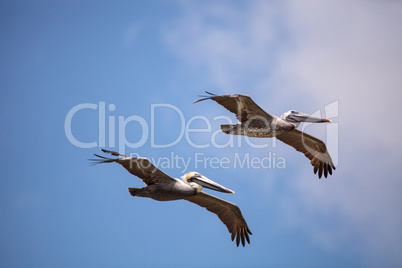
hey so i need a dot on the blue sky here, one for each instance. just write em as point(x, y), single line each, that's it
point(340, 60)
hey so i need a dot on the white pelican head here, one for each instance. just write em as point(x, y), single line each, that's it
point(295, 118)
point(198, 181)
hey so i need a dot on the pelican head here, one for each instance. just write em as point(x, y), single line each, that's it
point(198, 181)
point(295, 118)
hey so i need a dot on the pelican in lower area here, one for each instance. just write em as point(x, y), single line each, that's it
point(162, 187)
point(255, 122)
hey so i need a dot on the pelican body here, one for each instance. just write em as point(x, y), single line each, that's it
point(255, 122)
point(165, 192)
point(258, 127)
point(176, 189)
point(162, 187)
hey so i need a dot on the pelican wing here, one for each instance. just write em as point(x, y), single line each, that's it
point(138, 166)
point(313, 148)
point(227, 212)
point(241, 105)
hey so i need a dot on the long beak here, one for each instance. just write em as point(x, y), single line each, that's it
point(207, 183)
point(300, 117)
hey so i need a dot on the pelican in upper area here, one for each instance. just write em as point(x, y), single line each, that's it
point(162, 187)
point(255, 122)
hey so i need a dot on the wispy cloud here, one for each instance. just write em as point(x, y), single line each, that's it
point(228, 40)
point(348, 52)
point(308, 55)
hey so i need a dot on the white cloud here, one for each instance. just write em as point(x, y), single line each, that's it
point(226, 39)
point(349, 52)
point(309, 54)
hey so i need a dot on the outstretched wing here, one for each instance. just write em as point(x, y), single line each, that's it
point(138, 166)
point(313, 148)
point(227, 212)
point(241, 105)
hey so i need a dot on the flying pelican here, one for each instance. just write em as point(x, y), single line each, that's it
point(162, 187)
point(255, 122)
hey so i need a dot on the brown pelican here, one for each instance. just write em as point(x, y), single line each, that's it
point(255, 122)
point(162, 187)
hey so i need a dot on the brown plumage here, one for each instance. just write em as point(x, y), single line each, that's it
point(313, 148)
point(227, 212)
point(255, 122)
point(241, 105)
point(162, 187)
